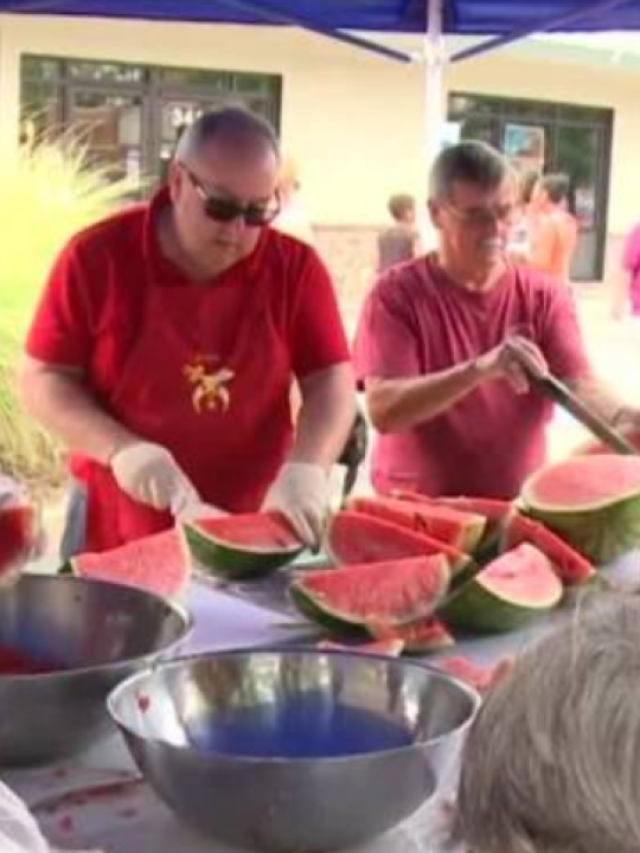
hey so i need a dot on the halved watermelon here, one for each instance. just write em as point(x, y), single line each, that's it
point(463, 530)
point(394, 593)
point(356, 537)
point(237, 547)
point(592, 501)
point(158, 563)
point(419, 638)
point(391, 648)
point(513, 589)
point(571, 566)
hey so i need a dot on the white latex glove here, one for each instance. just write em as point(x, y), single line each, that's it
point(301, 493)
point(149, 474)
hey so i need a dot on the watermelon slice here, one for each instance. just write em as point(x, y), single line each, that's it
point(571, 567)
point(463, 530)
point(394, 593)
point(595, 446)
point(158, 563)
point(419, 638)
point(481, 678)
point(236, 547)
point(509, 592)
point(356, 537)
point(592, 501)
point(390, 648)
point(17, 527)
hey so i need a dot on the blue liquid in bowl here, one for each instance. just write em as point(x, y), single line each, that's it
point(303, 727)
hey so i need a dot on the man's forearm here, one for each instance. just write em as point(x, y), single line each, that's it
point(400, 404)
point(62, 403)
point(326, 417)
point(597, 394)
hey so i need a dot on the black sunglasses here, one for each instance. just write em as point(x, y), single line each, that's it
point(226, 210)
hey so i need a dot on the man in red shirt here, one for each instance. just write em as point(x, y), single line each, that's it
point(442, 341)
point(167, 339)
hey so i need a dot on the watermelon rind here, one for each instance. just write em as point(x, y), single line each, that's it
point(479, 606)
point(231, 561)
point(319, 609)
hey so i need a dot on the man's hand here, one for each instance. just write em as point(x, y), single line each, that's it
point(516, 360)
point(301, 493)
point(149, 474)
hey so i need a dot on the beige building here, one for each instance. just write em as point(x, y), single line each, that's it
point(354, 121)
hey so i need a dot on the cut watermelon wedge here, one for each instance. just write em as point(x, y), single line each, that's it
point(463, 530)
point(17, 527)
point(481, 678)
point(509, 592)
point(158, 564)
point(393, 593)
point(357, 537)
point(419, 638)
point(237, 547)
point(570, 565)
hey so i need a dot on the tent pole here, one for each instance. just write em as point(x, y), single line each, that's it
point(434, 81)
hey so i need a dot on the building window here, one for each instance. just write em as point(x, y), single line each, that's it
point(129, 116)
point(550, 137)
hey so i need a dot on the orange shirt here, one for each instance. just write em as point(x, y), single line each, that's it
point(553, 240)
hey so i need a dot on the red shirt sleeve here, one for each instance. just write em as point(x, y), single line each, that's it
point(62, 329)
point(386, 341)
point(561, 340)
point(317, 335)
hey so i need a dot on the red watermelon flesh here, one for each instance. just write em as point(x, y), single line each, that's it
point(481, 678)
point(593, 446)
point(425, 635)
point(493, 509)
point(463, 530)
point(395, 592)
point(260, 531)
point(356, 537)
point(157, 563)
point(571, 566)
point(391, 648)
point(584, 483)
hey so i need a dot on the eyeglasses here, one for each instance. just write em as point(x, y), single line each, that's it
point(222, 209)
point(483, 217)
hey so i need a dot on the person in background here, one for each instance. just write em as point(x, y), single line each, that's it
point(447, 346)
point(400, 241)
point(518, 241)
point(166, 341)
point(552, 760)
point(553, 229)
point(627, 287)
point(292, 218)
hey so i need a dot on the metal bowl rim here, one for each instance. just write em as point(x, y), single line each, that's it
point(179, 610)
point(129, 684)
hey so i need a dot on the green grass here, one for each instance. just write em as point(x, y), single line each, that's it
point(46, 194)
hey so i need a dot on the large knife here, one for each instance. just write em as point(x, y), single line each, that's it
point(557, 391)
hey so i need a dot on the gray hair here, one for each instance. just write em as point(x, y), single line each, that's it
point(470, 162)
point(233, 124)
point(552, 762)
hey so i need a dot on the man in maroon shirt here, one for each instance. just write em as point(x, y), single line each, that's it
point(443, 342)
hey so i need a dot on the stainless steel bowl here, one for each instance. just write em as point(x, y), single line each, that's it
point(100, 633)
point(294, 750)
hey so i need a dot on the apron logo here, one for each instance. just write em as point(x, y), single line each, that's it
point(210, 390)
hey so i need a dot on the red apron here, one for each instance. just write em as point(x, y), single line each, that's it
point(210, 387)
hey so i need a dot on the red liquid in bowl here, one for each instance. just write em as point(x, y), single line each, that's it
point(14, 662)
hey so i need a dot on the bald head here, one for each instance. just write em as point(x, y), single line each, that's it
point(234, 126)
